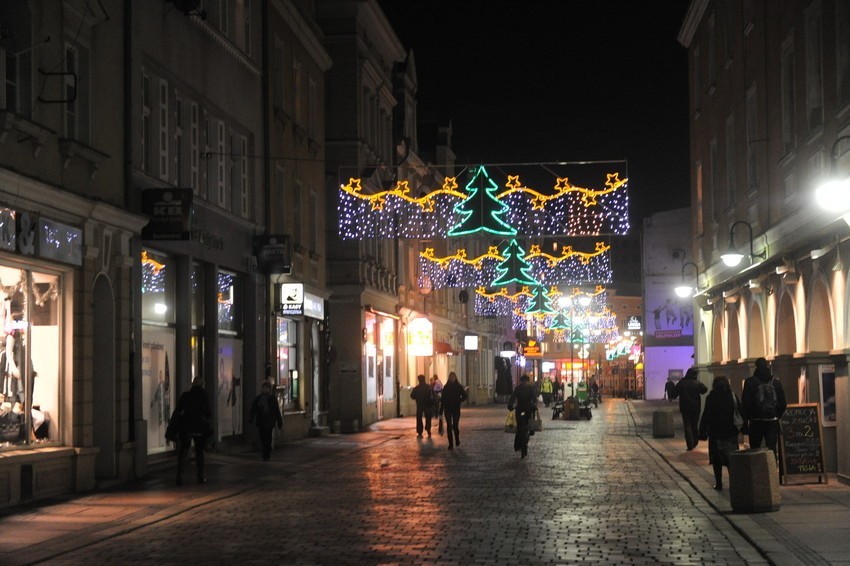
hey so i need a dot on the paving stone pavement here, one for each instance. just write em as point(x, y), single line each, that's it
point(589, 491)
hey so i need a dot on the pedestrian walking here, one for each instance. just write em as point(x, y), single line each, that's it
point(453, 395)
point(688, 390)
point(194, 415)
point(720, 424)
point(266, 413)
point(425, 401)
point(524, 399)
point(546, 390)
point(763, 401)
point(437, 386)
point(670, 389)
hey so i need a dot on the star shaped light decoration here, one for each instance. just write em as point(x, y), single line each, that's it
point(513, 182)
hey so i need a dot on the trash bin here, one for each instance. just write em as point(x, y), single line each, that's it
point(572, 409)
point(754, 481)
point(662, 424)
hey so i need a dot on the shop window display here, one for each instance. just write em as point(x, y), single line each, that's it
point(29, 330)
point(158, 344)
point(287, 363)
point(229, 355)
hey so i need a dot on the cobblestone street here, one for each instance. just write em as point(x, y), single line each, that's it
point(588, 491)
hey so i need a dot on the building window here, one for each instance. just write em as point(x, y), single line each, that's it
point(222, 179)
point(297, 93)
point(279, 198)
point(296, 212)
point(17, 47)
point(195, 149)
point(842, 51)
point(713, 180)
point(242, 25)
point(76, 81)
point(814, 66)
point(696, 80)
point(146, 123)
point(314, 224)
point(231, 170)
point(178, 142)
point(313, 111)
point(278, 74)
point(163, 130)
point(787, 95)
point(158, 345)
point(243, 175)
point(752, 139)
point(730, 162)
point(712, 52)
point(30, 307)
point(700, 199)
point(207, 157)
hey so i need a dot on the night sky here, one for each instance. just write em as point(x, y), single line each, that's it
point(536, 81)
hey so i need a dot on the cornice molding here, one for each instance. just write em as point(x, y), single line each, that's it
point(692, 19)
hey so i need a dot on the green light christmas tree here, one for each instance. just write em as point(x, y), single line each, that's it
point(481, 211)
point(540, 303)
point(514, 269)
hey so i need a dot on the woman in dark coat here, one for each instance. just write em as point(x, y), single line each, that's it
point(718, 426)
point(193, 410)
point(453, 395)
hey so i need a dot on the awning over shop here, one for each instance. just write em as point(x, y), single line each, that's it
point(444, 348)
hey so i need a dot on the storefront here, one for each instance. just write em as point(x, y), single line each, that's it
point(196, 296)
point(64, 349)
point(300, 376)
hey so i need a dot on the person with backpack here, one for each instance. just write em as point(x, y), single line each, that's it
point(763, 402)
point(426, 401)
point(689, 391)
point(266, 412)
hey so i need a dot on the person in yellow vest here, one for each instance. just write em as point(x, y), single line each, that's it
point(546, 391)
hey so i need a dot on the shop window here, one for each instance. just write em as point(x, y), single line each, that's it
point(29, 357)
point(196, 290)
point(158, 344)
point(288, 385)
point(228, 286)
point(371, 358)
point(387, 351)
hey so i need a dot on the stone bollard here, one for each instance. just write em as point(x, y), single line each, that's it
point(662, 424)
point(754, 481)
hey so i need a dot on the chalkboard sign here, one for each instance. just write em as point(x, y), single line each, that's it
point(801, 449)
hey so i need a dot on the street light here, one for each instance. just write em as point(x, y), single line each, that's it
point(684, 290)
point(834, 193)
point(733, 257)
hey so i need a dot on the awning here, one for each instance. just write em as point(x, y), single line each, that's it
point(444, 348)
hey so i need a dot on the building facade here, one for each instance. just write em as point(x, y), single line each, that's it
point(668, 318)
point(194, 146)
point(67, 414)
point(769, 102)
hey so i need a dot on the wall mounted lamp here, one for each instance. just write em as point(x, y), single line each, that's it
point(683, 289)
point(733, 257)
point(834, 193)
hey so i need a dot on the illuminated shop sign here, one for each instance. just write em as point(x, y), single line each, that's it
point(633, 323)
point(314, 306)
point(420, 337)
point(291, 299)
point(470, 342)
point(60, 242)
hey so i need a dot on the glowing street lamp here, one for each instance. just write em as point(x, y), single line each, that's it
point(733, 257)
point(834, 194)
point(684, 290)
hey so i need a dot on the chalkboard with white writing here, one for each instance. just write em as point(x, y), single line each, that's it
point(801, 449)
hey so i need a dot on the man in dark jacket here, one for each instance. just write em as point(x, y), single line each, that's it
point(266, 412)
point(524, 398)
point(425, 404)
point(688, 390)
point(763, 403)
point(193, 410)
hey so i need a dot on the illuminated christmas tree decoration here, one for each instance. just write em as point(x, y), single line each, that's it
point(481, 211)
point(541, 303)
point(402, 209)
point(514, 268)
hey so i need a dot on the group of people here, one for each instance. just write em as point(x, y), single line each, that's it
point(725, 416)
point(191, 423)
point(438, 400)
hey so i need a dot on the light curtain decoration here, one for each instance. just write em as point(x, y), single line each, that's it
point(511, 200)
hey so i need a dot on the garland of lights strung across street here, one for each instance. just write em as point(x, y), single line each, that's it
point(484, 207)
point(508, 204)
